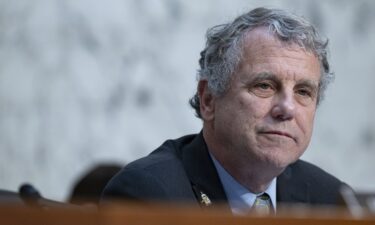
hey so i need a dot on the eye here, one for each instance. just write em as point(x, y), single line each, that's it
point(304, 92)
point(305, 96)
point(263, 86)
point(263, 89)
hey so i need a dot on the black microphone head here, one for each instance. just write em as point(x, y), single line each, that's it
point(31, 197)
point(27, 191)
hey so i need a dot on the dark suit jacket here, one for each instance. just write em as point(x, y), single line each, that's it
point(181, 170)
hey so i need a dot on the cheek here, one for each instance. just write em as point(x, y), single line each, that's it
point(306, 122)
point(253, 107)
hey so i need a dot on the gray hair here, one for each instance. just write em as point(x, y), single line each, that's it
point(222, 54)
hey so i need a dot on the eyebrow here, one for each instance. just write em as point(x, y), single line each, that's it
point(264, 76)
point(270, 76)
point(308, 83)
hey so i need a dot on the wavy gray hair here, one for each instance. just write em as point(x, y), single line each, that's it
point(222, 54)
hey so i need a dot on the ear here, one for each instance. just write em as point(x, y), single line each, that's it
point(206, 100)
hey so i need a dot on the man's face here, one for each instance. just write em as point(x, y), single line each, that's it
point(268, 112)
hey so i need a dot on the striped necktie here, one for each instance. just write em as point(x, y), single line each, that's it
point(263, 204)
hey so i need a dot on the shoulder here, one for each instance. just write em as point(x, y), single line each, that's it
point(158, 176)
point(313, 174)
point(162, 161)
point(319, 186)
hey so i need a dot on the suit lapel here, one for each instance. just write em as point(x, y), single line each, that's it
point(291, 188)
point(202, 172)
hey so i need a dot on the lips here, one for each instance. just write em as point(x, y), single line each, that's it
point(277, 132)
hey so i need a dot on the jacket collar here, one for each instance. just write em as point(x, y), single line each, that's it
point(202, 173)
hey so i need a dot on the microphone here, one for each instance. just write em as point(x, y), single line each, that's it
point(29, 194)
point(31, 197)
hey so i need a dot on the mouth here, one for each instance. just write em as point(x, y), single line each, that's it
point(279, 133)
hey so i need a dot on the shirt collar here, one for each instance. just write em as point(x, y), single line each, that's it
point(240, 198)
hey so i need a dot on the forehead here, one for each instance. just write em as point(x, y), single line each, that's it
point(263, 52)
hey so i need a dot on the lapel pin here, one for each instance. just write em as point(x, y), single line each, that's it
point(205, 200)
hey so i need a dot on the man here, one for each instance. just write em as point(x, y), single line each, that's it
point(260, 82)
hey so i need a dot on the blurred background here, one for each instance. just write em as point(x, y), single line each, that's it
point(87, 82)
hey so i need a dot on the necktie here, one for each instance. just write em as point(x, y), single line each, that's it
point(263, 204)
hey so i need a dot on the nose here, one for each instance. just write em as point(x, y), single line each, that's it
point(284, 107)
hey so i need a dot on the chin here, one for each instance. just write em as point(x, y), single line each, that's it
point(279, 161)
